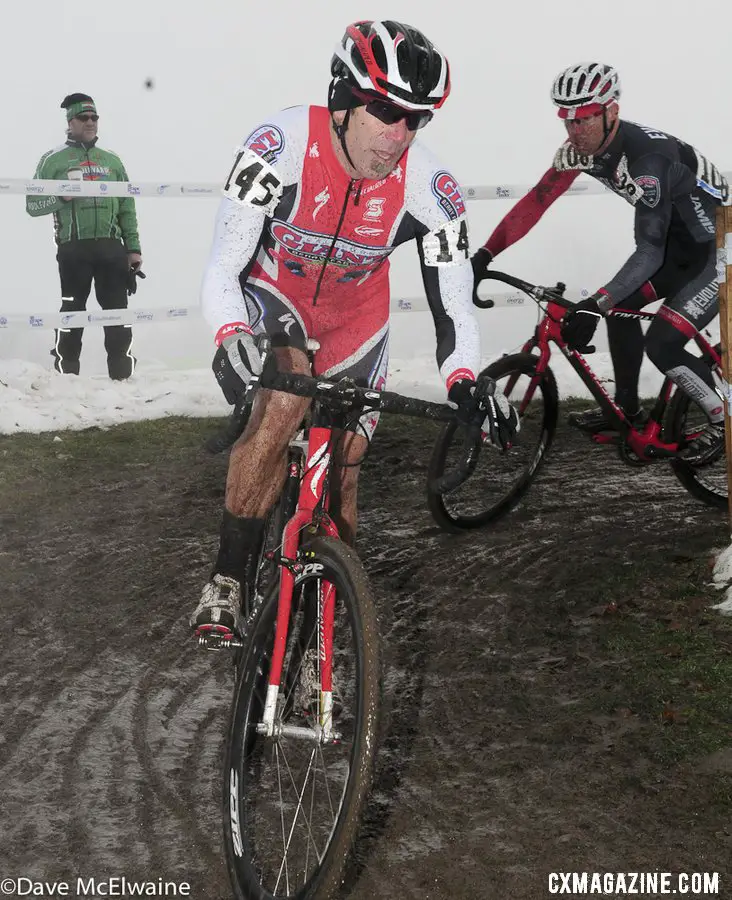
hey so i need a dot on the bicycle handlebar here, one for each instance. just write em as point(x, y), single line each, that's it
point(349, 396)
point(345, 396)
point(537, 292)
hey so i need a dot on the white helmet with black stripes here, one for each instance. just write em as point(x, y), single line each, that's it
point(585, 88)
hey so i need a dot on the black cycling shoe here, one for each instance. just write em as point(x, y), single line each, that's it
point(707, 447)
point(596, 420)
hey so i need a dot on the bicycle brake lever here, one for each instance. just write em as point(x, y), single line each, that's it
point(482, 304)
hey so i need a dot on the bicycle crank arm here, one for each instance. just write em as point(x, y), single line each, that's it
point(604, 438)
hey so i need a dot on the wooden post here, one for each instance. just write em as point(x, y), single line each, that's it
point(724, 275)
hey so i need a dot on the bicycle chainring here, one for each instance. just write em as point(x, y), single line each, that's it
point(630, 457)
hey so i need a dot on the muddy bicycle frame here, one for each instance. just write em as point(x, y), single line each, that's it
point(316, 455)
point(645, 443)
point(309, 466)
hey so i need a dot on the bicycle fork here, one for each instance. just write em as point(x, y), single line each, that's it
point(297, 564)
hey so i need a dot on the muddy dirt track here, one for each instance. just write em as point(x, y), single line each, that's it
point(513, 748)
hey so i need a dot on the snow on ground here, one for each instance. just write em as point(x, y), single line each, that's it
point(37, 399)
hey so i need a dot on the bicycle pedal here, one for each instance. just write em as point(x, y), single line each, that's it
point(604, 437)
point(585, 429)
point(215, 640)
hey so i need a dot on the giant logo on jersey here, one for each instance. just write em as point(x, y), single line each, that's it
point(267, 141)
point(313, 246)
point(449, 195)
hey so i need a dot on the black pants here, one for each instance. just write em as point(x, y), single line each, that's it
point(688, 283)
point(104, 261)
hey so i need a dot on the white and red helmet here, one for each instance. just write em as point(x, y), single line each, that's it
point(395, 62)
point(585, 89)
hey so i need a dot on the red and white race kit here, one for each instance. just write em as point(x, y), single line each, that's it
point(301, 250)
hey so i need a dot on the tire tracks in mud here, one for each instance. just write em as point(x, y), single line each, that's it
point(114, 722)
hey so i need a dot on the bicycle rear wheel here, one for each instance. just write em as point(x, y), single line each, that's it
point(292, 801)
point(276, 520)
point(501, 478)
point(684, 419)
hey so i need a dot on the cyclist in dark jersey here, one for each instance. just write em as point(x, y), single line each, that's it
point(674, 190)
point(314, 204)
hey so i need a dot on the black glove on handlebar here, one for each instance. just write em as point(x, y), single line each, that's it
point(484, 404)
point(462, 394)
point(236, 362)
point(580, 322)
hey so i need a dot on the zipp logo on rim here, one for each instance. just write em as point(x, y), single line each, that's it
point(234, 812)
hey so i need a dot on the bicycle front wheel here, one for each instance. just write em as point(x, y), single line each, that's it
point(501, 478)
point(292, 799)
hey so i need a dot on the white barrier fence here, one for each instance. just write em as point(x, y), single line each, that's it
point(212, 190)
point(49, 188)
point(158, 314)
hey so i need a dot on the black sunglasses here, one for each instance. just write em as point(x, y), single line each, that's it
point(390, 113)
point(88, 118)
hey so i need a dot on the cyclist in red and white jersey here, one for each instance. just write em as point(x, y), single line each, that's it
point(314, 204)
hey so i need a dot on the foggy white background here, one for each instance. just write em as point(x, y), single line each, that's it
point(220, 68)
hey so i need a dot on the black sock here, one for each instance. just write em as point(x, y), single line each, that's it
point(239, 548)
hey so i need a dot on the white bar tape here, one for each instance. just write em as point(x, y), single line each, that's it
point(167, 314)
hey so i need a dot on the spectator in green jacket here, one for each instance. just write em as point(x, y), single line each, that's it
point(96, 237)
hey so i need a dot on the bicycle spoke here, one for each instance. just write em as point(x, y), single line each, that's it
point(325, 780)
point(296, 785)
point(282, 823)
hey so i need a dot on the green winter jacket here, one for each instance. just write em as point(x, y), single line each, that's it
point(86, 217)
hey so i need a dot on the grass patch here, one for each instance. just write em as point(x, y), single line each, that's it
point(672, 659)
point(43, 456)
